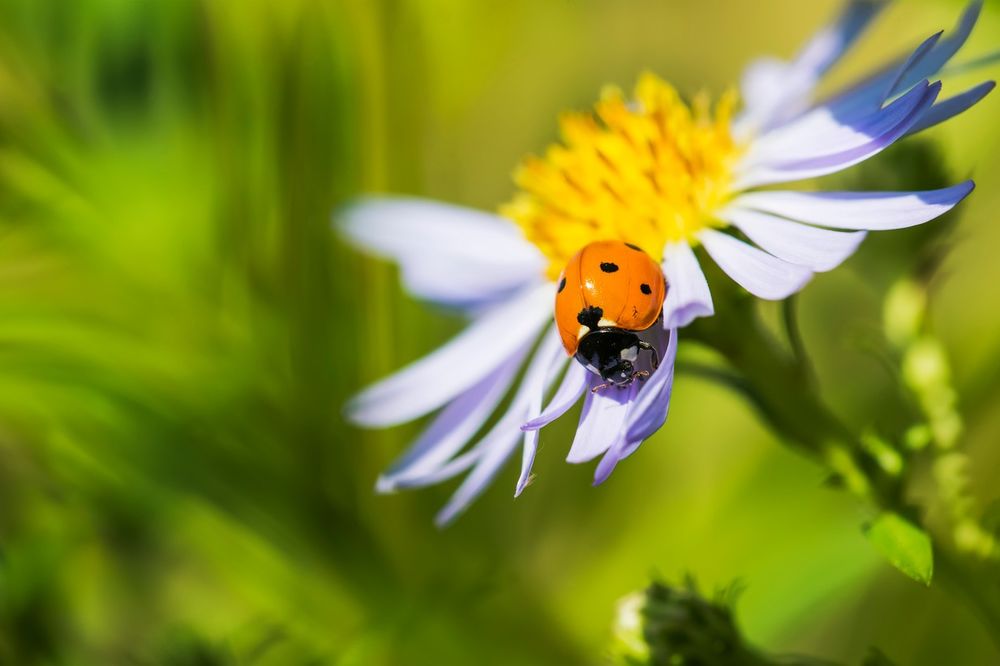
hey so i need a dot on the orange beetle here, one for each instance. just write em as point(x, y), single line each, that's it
point(608, 294)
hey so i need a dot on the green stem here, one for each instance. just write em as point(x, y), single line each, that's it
point(789, 316)
point(780, 385)
point(783, 391)
point(975, 581)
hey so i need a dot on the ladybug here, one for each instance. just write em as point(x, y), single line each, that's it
point(610, 293)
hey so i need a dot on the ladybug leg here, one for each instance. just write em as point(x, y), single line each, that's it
point(652, 350)
point(600, 387)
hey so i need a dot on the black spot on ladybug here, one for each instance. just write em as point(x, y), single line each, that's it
point(609, 267)
point(590, 316)
point(645, 288)
point(562, 285)
point(634, 247)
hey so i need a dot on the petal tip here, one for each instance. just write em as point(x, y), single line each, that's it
point(448, 514)
point(606, 467)
point(356, 412)
point(600, 476)
point(385, 485)
point(442, 522)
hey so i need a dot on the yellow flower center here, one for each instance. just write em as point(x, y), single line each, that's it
point(645, 171)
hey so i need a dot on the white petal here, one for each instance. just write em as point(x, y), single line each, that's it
point(756, 271)
point(463, 284)
point(688, 296)
point(602, 421)
point(797, 243)
point(499, 443)
point(772, 90)
point(874, 211)
point(452, 429)
point(430, 382)
point(447, 253)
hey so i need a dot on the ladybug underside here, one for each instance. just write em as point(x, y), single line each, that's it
point(613, 353)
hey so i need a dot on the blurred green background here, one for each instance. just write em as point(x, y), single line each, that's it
point(179, 328)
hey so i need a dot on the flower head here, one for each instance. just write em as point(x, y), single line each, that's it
point(648, 170)
point(653, 172)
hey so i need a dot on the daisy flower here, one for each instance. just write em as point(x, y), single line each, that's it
point(656, 173)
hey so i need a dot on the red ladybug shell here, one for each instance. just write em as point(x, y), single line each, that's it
point(608, 284)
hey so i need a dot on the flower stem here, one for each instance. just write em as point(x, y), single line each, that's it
point(779, 383)
point(977, 582)
point(783, 389)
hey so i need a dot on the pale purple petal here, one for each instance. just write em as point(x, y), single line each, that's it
point(774, 90)
point(867, 96)
point(775, 171)
point(602, 421)
point(497, 447)
point(943, 51)
point(448, 470)
point(874, 211)
point(647, 415)
point(452, 429)
point(528, 451)
point(816, 249)
point(432, 381)
point(910, 65)
point(951, 107)
point(610, 460)
point(575, 382)
point(650, 410)
point(499, 443)
point(688, 296)
point(821, 132)
point(447, 254)
point(758, 272)
point(550, 354)
point(608, 414)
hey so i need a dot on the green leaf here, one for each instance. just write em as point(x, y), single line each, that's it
point(906, 546)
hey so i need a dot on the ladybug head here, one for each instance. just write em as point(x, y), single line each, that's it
point(619, 372)
point(612, 353)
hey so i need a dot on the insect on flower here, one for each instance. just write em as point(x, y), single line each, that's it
point(643, 171)
point(608, 299)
